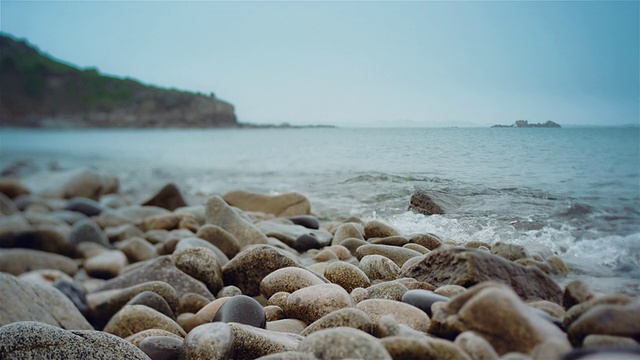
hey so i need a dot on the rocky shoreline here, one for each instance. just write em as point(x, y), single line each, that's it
point(86, 270)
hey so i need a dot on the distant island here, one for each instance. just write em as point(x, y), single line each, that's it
point(525, 124)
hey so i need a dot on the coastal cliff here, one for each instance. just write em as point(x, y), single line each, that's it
point(38, 91)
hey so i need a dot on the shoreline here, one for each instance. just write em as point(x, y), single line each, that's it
point(299, 274)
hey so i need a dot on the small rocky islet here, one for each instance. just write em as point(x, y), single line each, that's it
point(85, 272)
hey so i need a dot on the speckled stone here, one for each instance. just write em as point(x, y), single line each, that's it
point(162, 347)
point(288, 279)
point(450, 290)
point(135, 318)
point(273, 313)
point(390, 290)
point(311, 303)
point(278, 299)
point(343, 343)
point(410, 348)
point(399, 255)
point(379, 229)
point(138, 337)
point(219, 213)
point(429, 241)
point(242, 309)
point(220, 238)
point(201, 264)
point(250, 342)
point(104, 304)
point(403, 313)
point(359, 294)
point(33, 340)
point(23, 301)
point(378, 267)
point(288, 355)
point(352, 244)
point(229, 291)
point(160, 269)
point(209, 341)
point(154, 301)
point(325, 255)
point(476, 346)
point(346, 231)
point(346, 275)
point(347, 317)
point(291, 326)
point(247, 269)
point(192, 303)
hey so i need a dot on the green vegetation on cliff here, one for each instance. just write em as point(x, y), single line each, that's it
point(38, 91)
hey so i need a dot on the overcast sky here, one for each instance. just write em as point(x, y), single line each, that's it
point(362, 63)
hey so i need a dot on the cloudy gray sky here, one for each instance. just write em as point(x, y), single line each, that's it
point(362, 63)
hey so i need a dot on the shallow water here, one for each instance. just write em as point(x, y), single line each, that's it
point(575, 190)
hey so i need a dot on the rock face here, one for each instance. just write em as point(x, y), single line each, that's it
point(23, 301)
point(495, 312)
point(467, 267)
point(283, 205)
point(44, 94)
point(35, 340)
point(433, 202)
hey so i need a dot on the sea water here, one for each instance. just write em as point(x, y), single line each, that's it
point(573, 190)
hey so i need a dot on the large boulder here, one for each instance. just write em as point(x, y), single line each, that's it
point(35, 340)
point(468, 267)
point(24, 301)
point(433, 202)
point(496, 313)
point(282, 205)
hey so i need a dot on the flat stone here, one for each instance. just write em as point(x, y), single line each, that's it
point(378, 267)
point(604, 319)
point(346, 275)
point(282, 205)
point(423, 299)
point(288, 279)
point(201, 264)
point(346, 317)
point(399, 255)
point(84, 206)
point(242, 309)
point(308, 221)
point(209, 341)
point(379, 229)
point(162, 347)
point(343, 343)
point(250, 342)
point(23, 301)
point(291, 326)
point(49, 238)
point(159, 269)
point(106, 265)
point(402, 313)
point(104, 304)
point(18, 261)
point(394, 240)
point(135, 318)
point(289, 233)
point(467, 267)
point(169, 197)
point(495, 312)
point(36, 340)
point(220, 238)
point(247, 269)
point(311, 303)
point(219, 213)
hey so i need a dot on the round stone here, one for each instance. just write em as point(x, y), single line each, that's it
point(311, 303)
point(343, 343)
point(346, 275)
point(288, 279)
point(378, 267)
point(209, 341)
point(161, 347)
point(306, 242)
point(201, 264)
point(242, 309)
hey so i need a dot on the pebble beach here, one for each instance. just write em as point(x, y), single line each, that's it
point(90, 271)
